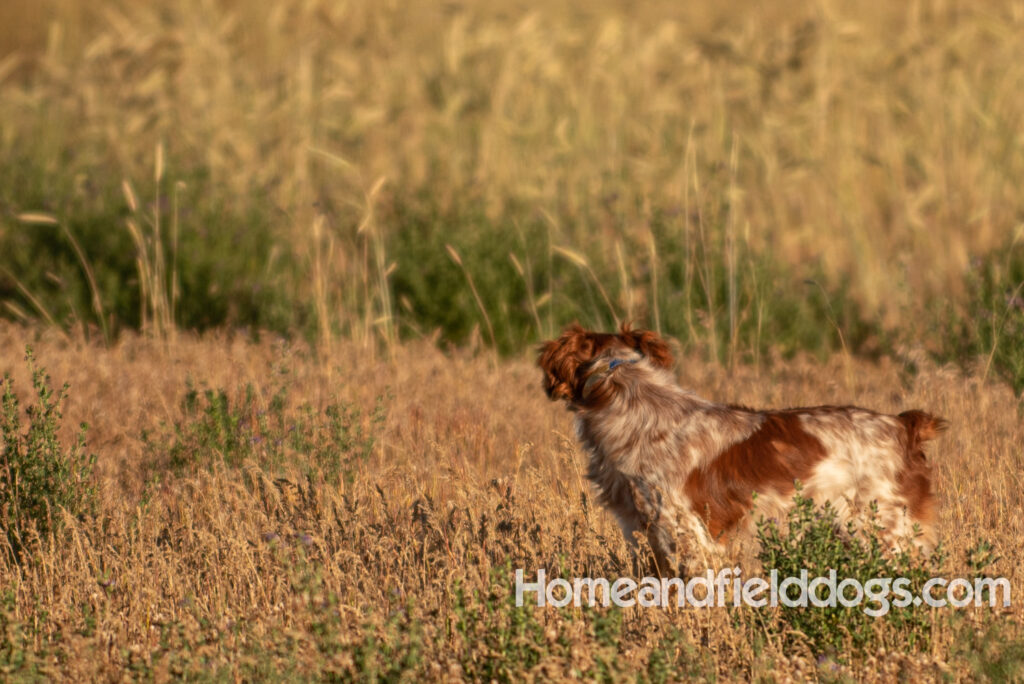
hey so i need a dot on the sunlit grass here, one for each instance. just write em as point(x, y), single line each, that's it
point(874, 151)
point(259, 518)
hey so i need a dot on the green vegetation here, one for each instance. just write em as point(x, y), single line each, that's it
point(990, 328)
point(78, 266)
point(510, 262)
point(41, 479)
point(813, 539)
point(222, 270)
point(727, 301)
point(219, 430)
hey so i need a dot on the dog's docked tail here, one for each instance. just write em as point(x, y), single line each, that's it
point(921, 427)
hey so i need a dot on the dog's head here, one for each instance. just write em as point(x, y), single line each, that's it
point(568, 361)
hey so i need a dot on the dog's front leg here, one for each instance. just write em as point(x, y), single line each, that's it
point(648, 504)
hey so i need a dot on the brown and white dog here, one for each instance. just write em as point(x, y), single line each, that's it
point(683, 471)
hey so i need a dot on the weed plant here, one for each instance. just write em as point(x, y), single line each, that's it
point(41, 478)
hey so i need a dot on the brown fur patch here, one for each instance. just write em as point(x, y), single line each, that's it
point(771, 459)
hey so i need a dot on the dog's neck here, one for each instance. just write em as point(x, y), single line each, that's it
point(644, 412)
point(629, 385)
point(601, 371)
point(639, 405)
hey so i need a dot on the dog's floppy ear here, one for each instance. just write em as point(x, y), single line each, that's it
point(649, 344)
point(560, 359)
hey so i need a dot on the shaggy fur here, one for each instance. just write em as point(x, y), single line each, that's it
point(682, 471)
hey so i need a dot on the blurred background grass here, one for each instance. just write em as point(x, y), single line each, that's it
point(751, 180)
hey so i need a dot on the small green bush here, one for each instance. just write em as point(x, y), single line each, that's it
point(220, 429)
point(813, 539)
point(990, 653)
point(676, 659)
point(501, 641)
point(38, 474)
point(19, 661)
point(991, 325)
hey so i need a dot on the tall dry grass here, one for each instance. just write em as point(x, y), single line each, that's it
point(256, 571)
point(881, 144)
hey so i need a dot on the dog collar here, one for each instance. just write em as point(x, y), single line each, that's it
point(597, 375)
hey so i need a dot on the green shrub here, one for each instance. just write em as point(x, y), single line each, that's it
point(991, 325)
point(217, 428)
point(228, 271)
point(19, 661)
point(520, 274)
point(519, 277)
point(756, 306)
point(38, 474)
point(813, 539)
point(434, 291)
point(501, 641)
point(220, 429)
point(336, 441)
point(991, 653)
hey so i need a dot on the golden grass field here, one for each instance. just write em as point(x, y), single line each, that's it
point(879, 143)
point(879, 148)
point(200, 574)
